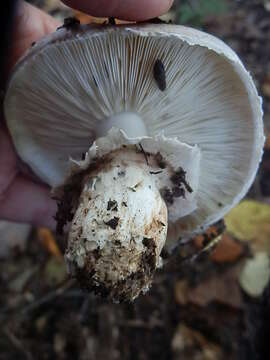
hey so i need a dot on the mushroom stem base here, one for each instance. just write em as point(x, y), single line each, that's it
point(118, 230)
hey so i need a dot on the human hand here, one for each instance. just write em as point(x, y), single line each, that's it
point(21, 198)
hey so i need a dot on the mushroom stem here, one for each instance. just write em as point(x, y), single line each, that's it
point(119, 200)
point(119, 228)
point(131, 123)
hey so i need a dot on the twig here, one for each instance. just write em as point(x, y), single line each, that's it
point(144, 154)
point(48, 297)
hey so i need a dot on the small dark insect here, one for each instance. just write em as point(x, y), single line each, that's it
point(112, 21)
point(159, 74)
point(83, 156)
point(33, 43)
point(69, 22)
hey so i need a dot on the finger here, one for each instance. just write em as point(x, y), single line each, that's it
point(30, 24)
point(126, 10)
point(25, 201)
point(20, 199)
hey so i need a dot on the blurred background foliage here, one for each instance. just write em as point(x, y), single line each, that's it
point(194, 12)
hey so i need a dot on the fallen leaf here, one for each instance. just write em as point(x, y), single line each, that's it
point(208, 240)
point(255, 274)
point(222, 288)
point(210, 234)
point(227, 250)
point(250, 221)
point(48, 241)
point(188, 343)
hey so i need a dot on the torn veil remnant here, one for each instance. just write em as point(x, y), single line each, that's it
point(158, 164)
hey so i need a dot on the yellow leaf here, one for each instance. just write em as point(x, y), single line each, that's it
point(250, 221)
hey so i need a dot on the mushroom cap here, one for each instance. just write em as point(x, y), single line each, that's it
point(75, 79)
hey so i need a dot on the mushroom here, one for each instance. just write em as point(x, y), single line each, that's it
point(169, 123)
